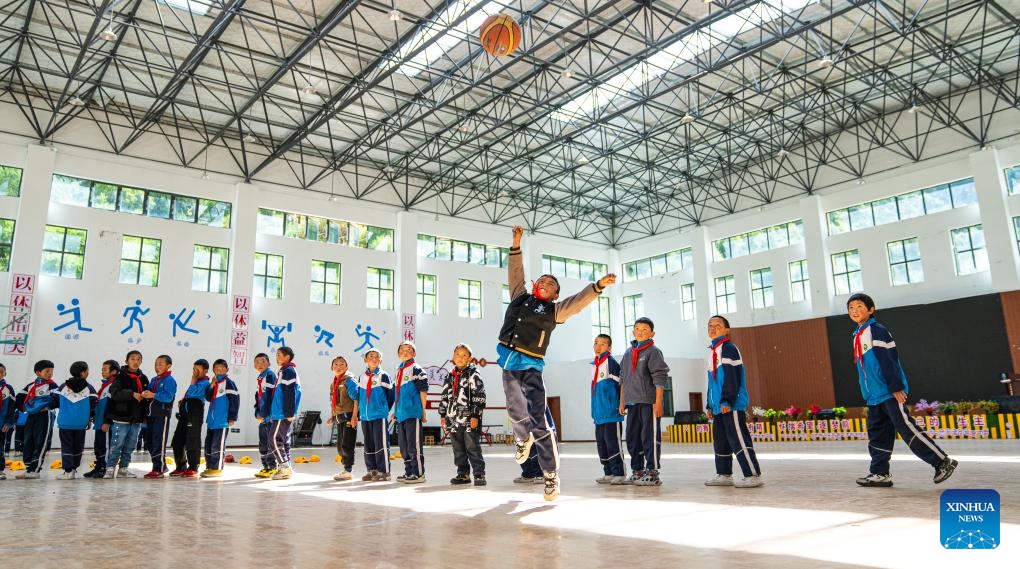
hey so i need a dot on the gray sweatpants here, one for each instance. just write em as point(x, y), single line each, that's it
point(526, 406)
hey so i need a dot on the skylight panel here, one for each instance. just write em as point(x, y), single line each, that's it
point(196, 7)
point(451, 36)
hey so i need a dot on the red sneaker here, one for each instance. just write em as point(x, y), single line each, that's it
point(177, 473)
point(189, 474)
point(153, 474)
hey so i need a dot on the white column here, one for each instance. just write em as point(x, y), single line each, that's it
point(406, 246)
point(244, 218)
point(1003, 261)
point(704, 287)
point(615, 296)
point(817, 254)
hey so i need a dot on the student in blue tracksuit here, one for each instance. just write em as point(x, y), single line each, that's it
point(187, 439)
point(284, 402)
point(100, 444)
point(39, 421)
point(76, 400)
point(373, 397)
point(224, 403)
point(265, 384)
point(884, 386)
point(161, 393)
point(605, 411)
point(411, 391)
point(727, 408)
point(8, 418)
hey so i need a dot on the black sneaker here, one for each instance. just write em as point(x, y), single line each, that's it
point(945, 469)
point(95, 473)
point(480, 480)
point(875, 481)
point(460, 479)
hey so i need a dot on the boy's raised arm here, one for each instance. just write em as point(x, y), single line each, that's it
point(574, 304)
point(515, 265)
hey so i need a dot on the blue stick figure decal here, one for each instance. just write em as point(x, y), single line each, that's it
point(75, 312)
point(132, 313)
point(180, 323)
point(325, 336)
point(276, 336)
point(366, 336)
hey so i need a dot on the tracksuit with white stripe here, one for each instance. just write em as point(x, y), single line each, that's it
point(8, 417)
point(643, 369)
point(101, 443)
point(727, 386)
point(157, 424)
point(38, 423)
point(880, 375)
point(605, 411)
point(266, 382)
point(76, 400)
point(284, 401)
point(373, 390)
point(224, 403)
point(411, 386)
point(187, 440)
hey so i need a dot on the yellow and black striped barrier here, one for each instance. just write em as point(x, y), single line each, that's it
point(997, 426)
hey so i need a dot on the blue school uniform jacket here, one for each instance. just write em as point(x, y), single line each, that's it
point(605, 392)
point(76, 400)
point(102, 399)
point(165, 389)
point(286, 395)
point(374, 396)
point(878, 363)
point(264, 393)
point(224, 402)
point(407, 389)
point(195, 395)
point(726, 382)
point(38, 398)
point(8, 405)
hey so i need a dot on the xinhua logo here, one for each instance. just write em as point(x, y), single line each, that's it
point(970, 519)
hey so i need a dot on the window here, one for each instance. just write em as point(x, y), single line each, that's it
point(903, 206)
point(798, 281)
point(659, 265)
point(112, 197)
point(10, 181)
point(687, 304)
point(633, 308)
point(761, 288)
point(426, 294)
point(63, 252)
point(209, 269)
point(725, 294)
point(969, 250)
point(139, 261)
point(600, 323)
point(562, 267)
point(1012, 179)
point(443, 249)
point(506, 297)
point(325, 282)
point(905, 262)
point(1016, 231)
point(759, 240)
point(323, 230)
point(846, 271)
point(469, 298)
point(380, 288)
point(268, 276)
point(6, 242)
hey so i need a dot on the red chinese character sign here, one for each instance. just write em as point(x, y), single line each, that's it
point(408, 327)
point(18, 315)
point(241, 315)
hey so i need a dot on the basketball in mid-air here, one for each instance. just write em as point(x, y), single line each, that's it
point(500, 35)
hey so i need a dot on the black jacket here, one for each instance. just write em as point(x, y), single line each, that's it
point(123, 407)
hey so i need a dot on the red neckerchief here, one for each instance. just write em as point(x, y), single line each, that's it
point(31, 390)
point(635, 353)
point(333, 396)
point(456, 381)
point(400, 374)
point(155, 381)
point(715, 356)
point(258, 394)
point(368, 385)
point(858, 349)
point(599, 360)
point(216, 389)
point(535, 292)
point(135, 376)
point(104, 385)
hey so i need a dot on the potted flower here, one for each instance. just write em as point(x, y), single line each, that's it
point(793, 412)
point(812, 410)
point(949, 408)
point(839, 412)
point(771, 415)
point(758, 413)
point(964, 408)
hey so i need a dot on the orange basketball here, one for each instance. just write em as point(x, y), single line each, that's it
point(500, 35)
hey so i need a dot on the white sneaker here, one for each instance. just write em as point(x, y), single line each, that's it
point(125, 473)
point(607, 479)
point(552, 485)
point(618, 480)
point(27, 476)
point(283, 473)
point(343, 476)
point(875, 481)
point(111, 473)
point(523, 450)
point(3, 475)
point(720, 480)
point(65, 475)
point(749, 482)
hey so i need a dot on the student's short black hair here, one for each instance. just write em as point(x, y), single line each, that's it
point(78, 368)
point(287, 351)
point(607, 337)
point(169, 361)
point(868, 302)
point(114, 365)
point(554, 279)
point(3, 367)
point(202, 363)
point(645, 320)
point(220, 362)
point(43, 364)
point(131, 353)
point(725, 322)
point(262, 355)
